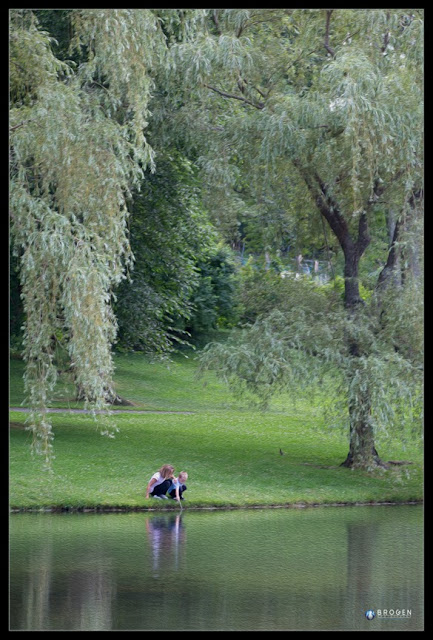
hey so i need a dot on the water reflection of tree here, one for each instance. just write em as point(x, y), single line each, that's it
point(90, 591)
point(166, 535)
point(36, 596)
point(65, 589)
point(382, 568)
point(362, 538)
point(361, 544)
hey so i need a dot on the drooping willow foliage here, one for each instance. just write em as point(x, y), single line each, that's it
point(78, 146)
point(313, 112)
point(332, 98)
point(300, 348)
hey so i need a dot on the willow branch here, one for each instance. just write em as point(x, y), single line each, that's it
point(17, 126)
point(328, 207)
point(385, 37)
point(215, 20)
point(259, 105)
point(391, 261)
point(326, 43)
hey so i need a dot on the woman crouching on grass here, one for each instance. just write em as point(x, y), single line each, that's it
point(160, 482)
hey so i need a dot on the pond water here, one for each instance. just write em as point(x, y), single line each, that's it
point(268, 569)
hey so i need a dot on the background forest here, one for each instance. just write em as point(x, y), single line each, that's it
point(247, 182)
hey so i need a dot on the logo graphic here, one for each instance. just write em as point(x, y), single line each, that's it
point(389, 614)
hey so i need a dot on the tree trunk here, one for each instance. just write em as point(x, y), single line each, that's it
point(390, 274)
point(352, 298)
point(411, 252)
point(111, 398)
point(362, 452)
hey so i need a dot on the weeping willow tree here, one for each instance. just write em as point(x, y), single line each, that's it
point(332, 100)
point(326, 102)
point(78, 146)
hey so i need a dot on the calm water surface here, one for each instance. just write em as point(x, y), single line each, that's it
point(274, 569)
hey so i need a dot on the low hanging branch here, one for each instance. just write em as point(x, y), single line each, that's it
point(17, 126)
point(258, 105)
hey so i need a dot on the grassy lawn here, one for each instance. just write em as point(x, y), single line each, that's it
point(232, 453)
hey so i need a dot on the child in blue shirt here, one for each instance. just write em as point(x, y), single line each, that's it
point(178, 486)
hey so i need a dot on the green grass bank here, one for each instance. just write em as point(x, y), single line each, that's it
point(232, 453)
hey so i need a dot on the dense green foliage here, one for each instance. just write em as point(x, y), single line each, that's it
point(169, 231)
point(142, 139)
point(215, 302)
point(77, 148)
point(331, 101)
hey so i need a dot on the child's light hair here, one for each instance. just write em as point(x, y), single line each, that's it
point(183, 474)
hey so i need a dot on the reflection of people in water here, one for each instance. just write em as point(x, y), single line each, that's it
point(166, 535)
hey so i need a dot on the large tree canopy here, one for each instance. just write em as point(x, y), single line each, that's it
point(305, 125)
point(264, 90)
point(331, 98)
point(78, 146)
